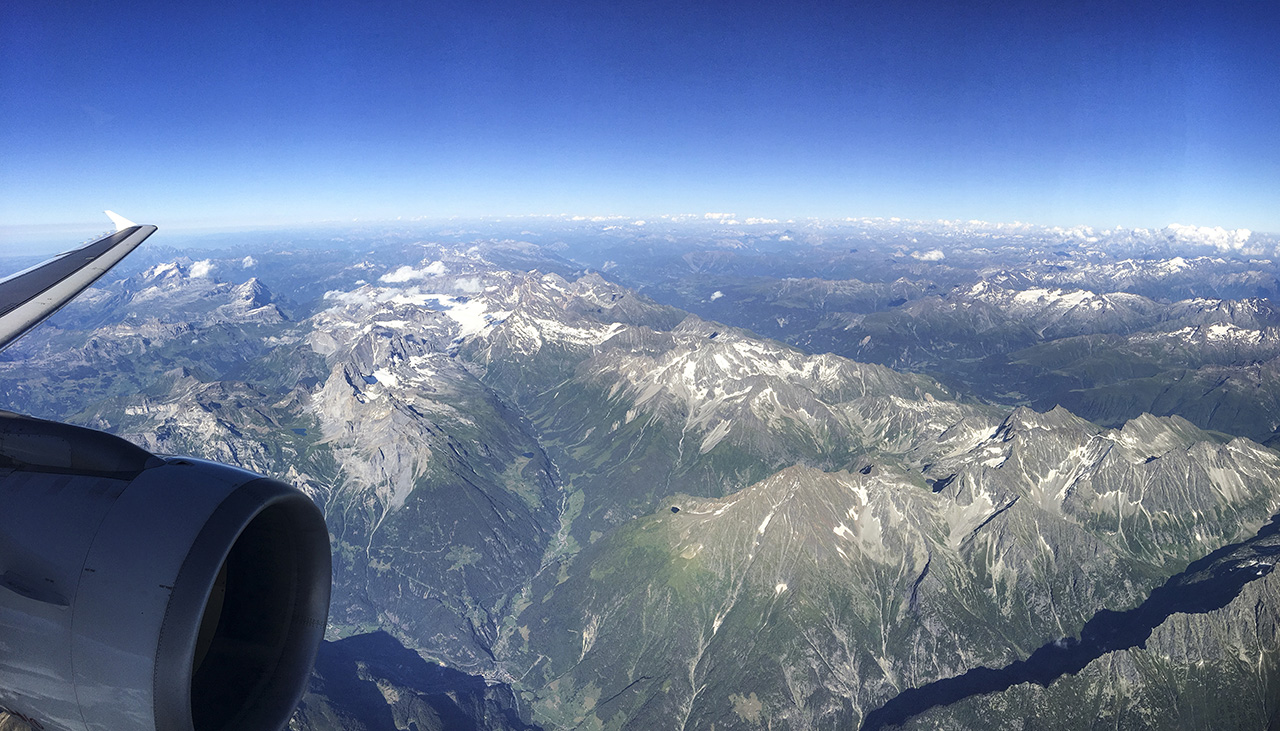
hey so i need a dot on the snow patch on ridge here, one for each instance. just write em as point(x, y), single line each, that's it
point(472, 315)
point(386, 377)
point(764, 523)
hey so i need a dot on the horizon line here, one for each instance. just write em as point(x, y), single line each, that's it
point(42, 230)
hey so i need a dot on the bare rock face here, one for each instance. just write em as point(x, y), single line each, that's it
point(444, 504)
point(250, 302)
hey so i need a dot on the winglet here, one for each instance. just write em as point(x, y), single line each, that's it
point(120, 221)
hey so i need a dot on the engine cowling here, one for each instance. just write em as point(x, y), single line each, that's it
point(143, 592)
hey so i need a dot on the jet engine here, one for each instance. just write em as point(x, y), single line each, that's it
point(140, 592)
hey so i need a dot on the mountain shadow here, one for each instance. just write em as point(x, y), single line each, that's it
point(371, 682)
point(1208, 583)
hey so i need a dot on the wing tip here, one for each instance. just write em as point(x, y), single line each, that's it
point(120, 221)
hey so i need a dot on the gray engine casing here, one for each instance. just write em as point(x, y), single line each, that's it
point(141, 592)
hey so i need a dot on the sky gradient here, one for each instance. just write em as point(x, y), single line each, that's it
point(1134, 114)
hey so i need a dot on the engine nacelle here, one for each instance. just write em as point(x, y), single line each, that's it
point(141, 592)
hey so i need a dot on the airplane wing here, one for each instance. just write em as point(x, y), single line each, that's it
point(28, 297)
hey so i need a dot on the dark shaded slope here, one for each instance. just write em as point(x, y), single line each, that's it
point(1207, 584)
point(373, 683)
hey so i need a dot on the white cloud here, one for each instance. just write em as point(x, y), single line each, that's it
point(716, 295)
point(407, 273)
point(717, 216)
point(930, 255)
point(248, 261)
point(1216, 236)
point(470, 284)
point(360, 297)
point(403, 274)
point(201, 268)
point(756, 221)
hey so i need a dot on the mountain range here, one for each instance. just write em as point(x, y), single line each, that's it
point(717, 481)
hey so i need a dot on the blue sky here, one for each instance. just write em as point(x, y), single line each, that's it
point(244, 113)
